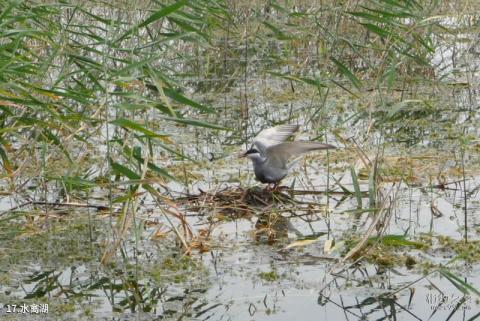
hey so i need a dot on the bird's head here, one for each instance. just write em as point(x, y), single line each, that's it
point(252, 153)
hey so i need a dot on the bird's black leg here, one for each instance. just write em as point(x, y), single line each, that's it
point(275, 186)
point(271, 187)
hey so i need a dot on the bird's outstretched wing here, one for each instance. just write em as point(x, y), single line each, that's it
point(273, 136)
point(278, 155)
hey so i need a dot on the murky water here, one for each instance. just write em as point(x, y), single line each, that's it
point(244, 277)
point(51, 254)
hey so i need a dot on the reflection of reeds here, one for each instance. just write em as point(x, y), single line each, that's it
point(380, 203)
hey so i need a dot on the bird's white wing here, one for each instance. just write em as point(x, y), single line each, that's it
point(279, 154)
point(274, 136)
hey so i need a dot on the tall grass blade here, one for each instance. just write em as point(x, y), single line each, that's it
point(154, 17)
point(347, 73)
point(460, 284)
point(129, 124)
point(197, 123)
point(356, 187)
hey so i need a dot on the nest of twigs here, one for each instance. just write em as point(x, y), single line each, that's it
point(271, 208)
point(235, 202)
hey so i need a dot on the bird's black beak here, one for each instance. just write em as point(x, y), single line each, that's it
point(242, 155)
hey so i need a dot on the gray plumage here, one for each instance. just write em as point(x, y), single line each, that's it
point(270, 153)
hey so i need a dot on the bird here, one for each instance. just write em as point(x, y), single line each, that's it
point(270, 152)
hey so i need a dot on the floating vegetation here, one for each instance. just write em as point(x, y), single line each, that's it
point(459, 249)
point(268, 276)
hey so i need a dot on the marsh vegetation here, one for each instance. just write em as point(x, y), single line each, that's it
point(122, 197)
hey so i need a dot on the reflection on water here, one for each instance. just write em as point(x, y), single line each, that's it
point(241, 277)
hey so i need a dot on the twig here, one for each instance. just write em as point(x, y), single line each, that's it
point(70, 204)
point(465, 211)
point(66, 204)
